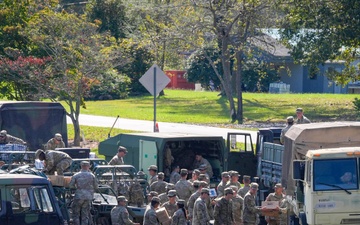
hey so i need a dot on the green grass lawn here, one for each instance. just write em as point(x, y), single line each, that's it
point(204, 107)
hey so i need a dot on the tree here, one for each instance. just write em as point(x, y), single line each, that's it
point(80, 57)
point(228, 26)
point(322, 30)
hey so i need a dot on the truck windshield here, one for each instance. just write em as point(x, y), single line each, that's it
point(335, 174)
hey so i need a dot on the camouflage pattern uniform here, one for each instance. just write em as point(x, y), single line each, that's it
point(242, 191)
point(200, 213)
point(136, 193)
point(12, 140)
point(116, 160)
point(197, 164)
point(120, 216)
point(277, 198)
point(152, 179)
point(56, 161)
point(52, 144)
point(170, 208)
point(250, 210)
point(236, 184)
point(238, 203)
point(158, 186)
point(150, 217)
point(220, 188)
point(178, 218)
point(304, 119)
point(191, 202)
point(174, 177)
point(85, 184)
point(184, 190)
point(223, 212)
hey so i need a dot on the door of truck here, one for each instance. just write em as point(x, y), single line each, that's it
point(241, 154)
point(148, 154)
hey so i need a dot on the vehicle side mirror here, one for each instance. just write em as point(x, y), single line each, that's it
point(298, 170)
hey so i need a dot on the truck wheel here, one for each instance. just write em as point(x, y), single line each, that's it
point(302, 217)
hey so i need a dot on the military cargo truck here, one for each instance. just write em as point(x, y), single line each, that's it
point(167, 149)
point(34, 122)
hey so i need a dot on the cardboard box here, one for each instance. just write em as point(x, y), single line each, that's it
point(270, 204)
point(56, 180)
point(67, 181)
point(162, 215)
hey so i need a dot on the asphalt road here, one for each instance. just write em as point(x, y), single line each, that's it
point(148, 126)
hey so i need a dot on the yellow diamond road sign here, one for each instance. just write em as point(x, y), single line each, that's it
point(147, 80)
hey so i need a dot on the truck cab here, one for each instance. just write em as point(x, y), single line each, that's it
point(330, 186)
point(28, 199)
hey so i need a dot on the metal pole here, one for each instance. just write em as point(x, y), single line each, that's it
point(154, 99)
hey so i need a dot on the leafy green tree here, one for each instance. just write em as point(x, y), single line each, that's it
point(322, 30)
point(80, 56)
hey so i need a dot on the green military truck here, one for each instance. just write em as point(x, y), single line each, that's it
point(34, 122)
point(167, 149)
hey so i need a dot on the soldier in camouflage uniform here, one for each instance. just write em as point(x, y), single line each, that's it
point(118, 159)
point(163, 197)
point(179, 217)
point(221, 186)
point(234, 179)
point(150, 217)
point(6, 138)
point(184, 188)
point(289, 122)
point(119, 214)
point(85, 184)
point(246, 181)
point(277, 196)
point(194, 175)
point(199, 160)
point(170, 205)
point(200, 212)
point(152, 172)
point(55, 142)
point(193, 197)
point(136, 193)
point(203, 177)
point(54, 161)
point(175, 176)
point(238, 203)
point(250, 209)
point(160, 185)
point(223, 210)
point(300, 117)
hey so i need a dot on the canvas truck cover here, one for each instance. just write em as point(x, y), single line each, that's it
point(303, 137)
point(34, 122)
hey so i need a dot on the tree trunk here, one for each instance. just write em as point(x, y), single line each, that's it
point(239, 113)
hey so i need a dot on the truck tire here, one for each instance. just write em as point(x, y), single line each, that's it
point(302, 218)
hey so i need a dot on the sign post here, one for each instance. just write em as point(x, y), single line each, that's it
point(154, 80)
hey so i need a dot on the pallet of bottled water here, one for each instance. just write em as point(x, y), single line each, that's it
point(12, 147)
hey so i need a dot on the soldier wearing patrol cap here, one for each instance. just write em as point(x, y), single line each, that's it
point(119, 214)
point(85, 184)
point(194, 175)
point(234, 179)
point(199, 160)
point(150, 217)
point(250, 209)
point(277, 196)
point(289, 123)
point(246, 181)
point(300, 117)
point(54, 161)
point(221, 186)
point(198, 185)
point(152, 172)
point(118, 159)
point(163, 197)
point(223, 213)
point(55, 142)
point(183, 187)
point(170, 205)
point(179, 217)
point(200, 211)
point(160, 185)
point(237, 203)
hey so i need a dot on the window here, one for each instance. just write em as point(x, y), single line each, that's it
point(335, 174)
point(19, 198)
point(42, 200)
